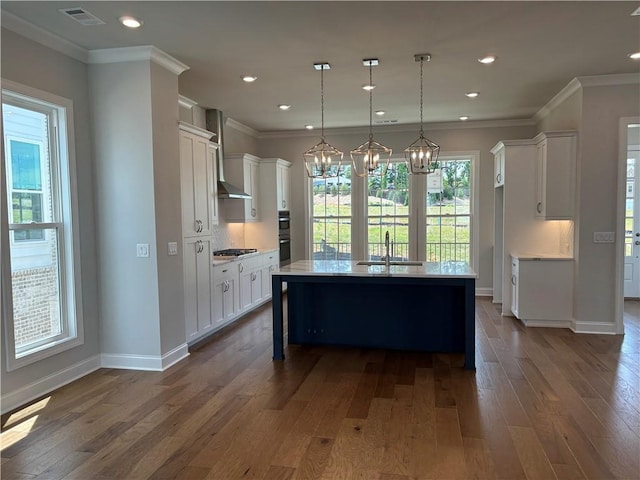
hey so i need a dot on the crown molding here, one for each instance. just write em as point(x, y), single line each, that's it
point(569, 89)
point(409, 127)
point(186, 102)
point(43, 37)
point(136, 54)
point(610, 80)
point(241, 127)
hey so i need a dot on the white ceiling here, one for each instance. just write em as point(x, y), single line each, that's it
point(540, 46)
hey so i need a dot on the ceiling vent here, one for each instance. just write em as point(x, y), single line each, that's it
point(636, 12)
point(81, 16)
point(386, 121)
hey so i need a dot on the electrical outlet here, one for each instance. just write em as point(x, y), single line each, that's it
point(142, 250)
point(604, 237)
point(172, 248)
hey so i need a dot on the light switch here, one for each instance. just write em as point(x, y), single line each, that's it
point(604, 237)
point(142, 250)
point(172, 248)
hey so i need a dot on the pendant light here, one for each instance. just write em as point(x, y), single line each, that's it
point(371, 158)
point(422, 155)
point(322, 160)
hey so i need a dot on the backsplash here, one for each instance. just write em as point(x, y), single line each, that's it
point(227, 235)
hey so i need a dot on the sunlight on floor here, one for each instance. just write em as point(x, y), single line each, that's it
point(20, 423)
point(26, 412)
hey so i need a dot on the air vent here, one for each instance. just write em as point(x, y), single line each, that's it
point(82, 16)
point(636, 12)
point(386, 121)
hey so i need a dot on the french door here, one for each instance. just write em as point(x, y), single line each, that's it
point(632, 215)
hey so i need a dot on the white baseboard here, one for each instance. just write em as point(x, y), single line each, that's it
point(144, 362)
point(49, 383)
point(484, 292)
point(549, 323)
point(607, 328)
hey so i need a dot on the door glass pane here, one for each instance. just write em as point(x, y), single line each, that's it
point(36, 290)
point(331, 217)
point(388, 211)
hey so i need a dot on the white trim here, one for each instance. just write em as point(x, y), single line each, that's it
point(598, 328)
point(241, 127)
point(548, 323)
point(186, 102)
point(201, 132)
point(484, 292)
point(136, 54)
point(145, 362)
point(48, 384)
point(43, 37)
point(399, 128)
point(571, 87)
point(610, 80)
point(618, 298)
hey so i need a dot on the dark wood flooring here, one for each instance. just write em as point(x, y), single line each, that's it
point(543, 404)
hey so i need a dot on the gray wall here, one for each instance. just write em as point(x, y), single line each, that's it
point(32, 64)
point(455, 139)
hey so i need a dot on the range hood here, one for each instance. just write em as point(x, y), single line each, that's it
point(215, 123)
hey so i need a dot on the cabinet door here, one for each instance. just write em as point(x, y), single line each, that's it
point(230, 300)
point(213, 195)
point(267, 270)
point(514, 287)
point(196, 183)
point(541, 175)
point(498, 169)
point(256, 285)
point(251, 184)
point(244, 293)
point(283, 195)
point(197, 287)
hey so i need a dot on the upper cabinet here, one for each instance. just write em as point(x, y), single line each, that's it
point(498, 168)
point(283, 179)
point(243, 169)
point(213, 161)
point(197, 181)
point(555, 175)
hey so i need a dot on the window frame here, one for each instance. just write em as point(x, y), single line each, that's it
point(65, 221)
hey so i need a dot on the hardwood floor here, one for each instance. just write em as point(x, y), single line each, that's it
point(543, 404)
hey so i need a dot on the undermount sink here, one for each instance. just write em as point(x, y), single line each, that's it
point(395, 262)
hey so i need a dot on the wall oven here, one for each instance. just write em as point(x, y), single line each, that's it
point(284, 237)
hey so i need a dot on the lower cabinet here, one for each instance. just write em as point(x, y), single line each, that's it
point(542, 290)
point(271, 264)
point(250, 281)
point(225, 294)
point(197, 287)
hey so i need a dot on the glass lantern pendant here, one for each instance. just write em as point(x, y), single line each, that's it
point(422, 155)
point(322, 160)
point(371, 158)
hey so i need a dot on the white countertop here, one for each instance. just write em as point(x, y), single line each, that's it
point(216, 261)
point(541, 256)
point(352, 269)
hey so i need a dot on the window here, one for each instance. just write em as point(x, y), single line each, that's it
point(42, 310)
point(388, 211)
point(429, 217)
point(331, 217)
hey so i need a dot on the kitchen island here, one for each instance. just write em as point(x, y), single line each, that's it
point(428, 307)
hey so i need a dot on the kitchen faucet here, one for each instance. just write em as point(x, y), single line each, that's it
point(387, 258)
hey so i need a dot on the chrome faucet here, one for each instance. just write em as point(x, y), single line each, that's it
point(387, 258)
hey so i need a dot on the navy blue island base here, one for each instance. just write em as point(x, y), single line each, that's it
point(399, 310)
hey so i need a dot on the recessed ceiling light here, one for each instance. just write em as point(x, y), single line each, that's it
point(284, 107)
point(464, 117)
point(472, 94)
point(130, 22)
point(380, 112)
point(487, 60)
point(368, 88)
point(309, 127)
point(634, 55)
point(249, 78)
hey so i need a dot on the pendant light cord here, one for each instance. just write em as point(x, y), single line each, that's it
point(322, 103)
point(370, 102)
point(421, 83)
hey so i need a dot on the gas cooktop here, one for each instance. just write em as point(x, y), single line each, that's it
point(234, 252)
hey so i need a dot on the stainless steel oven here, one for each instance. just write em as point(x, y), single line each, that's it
point(284, 237)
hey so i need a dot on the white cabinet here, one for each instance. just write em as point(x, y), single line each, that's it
point(197, 181)
point(197, 287)
point(250, 275)
point(498, 168)
point(213, 197)
point(243, 169)
point(542, 290)
point(271, 264)
point(283, 199)
point(225, 294)
point(555, 175)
